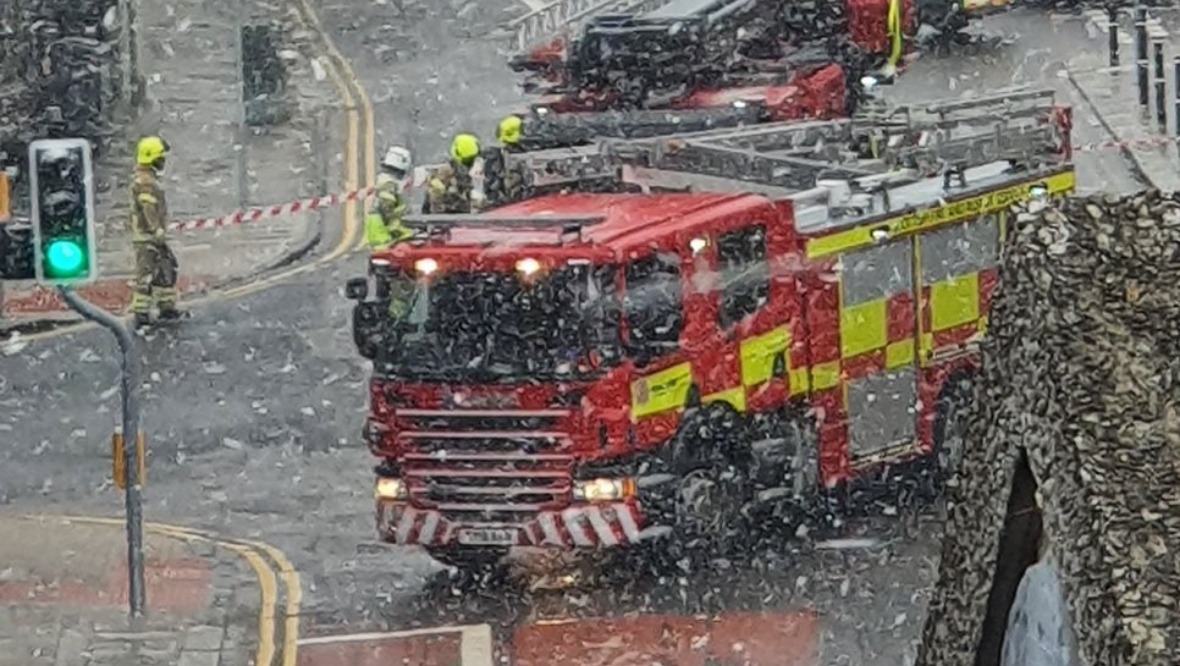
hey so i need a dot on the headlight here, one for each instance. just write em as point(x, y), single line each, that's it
point(604, 490)
point(391, 489)
point(426, 266)
point(868, 83)
point(528, 266)
point(740, 104)
point(1038, 191)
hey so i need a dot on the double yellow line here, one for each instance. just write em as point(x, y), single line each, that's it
point(270, 566)
point(353, 94)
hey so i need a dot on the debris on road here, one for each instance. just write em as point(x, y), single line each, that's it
point(1073, 448)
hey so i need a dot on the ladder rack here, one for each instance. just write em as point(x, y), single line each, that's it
point(543, 130)
point(932, 138)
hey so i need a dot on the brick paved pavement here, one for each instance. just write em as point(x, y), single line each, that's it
point(193, 86)
point(63, 599)
point(1042, 48)
point(1114, 92)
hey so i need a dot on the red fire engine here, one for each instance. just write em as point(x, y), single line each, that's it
point(773, 60)
point(753, 316)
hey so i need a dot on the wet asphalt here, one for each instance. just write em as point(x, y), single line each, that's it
point(253, 408)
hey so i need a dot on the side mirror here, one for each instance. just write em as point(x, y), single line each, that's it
point(357, 289)
point(366, 329)
point(641, 355)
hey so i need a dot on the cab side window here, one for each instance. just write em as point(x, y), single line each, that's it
point(745, 273)
point(653, 303)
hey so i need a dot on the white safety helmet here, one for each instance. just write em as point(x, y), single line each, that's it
point(397, 159)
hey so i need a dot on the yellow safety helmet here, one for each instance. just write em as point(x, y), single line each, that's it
point(150, 150)
point(465, 148)
point(509, 131)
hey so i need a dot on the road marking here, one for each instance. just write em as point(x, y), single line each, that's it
point(351, 93)
point(338, 61)
point(345, 78)
point(475, 646)
point(265, 654)
point(255, 553)
point(294, 587)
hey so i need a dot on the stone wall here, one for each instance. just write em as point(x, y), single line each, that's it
point(1082, 373)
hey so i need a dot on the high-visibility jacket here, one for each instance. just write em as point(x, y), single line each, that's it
point(149, 209)
point(383, 224)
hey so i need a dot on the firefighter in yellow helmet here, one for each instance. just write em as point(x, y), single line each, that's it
point(383, 223)
point(509, 132)
point(450, 186)
point(155, 264)
point(505, 179)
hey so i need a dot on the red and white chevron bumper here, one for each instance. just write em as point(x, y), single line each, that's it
point(604, 525)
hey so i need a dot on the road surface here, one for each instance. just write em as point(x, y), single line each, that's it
point(254, 407)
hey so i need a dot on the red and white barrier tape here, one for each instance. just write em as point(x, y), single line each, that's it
point(419, 178)
point(282, 210)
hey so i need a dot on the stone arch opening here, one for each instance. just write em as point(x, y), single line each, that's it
point(1019, 549)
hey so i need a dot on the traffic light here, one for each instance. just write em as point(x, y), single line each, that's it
point(16, 252)
point(62, 202)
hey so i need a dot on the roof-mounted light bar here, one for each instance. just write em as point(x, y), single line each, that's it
point(492, 220)
point(443, 224)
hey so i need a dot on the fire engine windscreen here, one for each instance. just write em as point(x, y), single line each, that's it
point(501, 326)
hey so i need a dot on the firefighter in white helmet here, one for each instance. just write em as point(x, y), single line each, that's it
point(383, 223)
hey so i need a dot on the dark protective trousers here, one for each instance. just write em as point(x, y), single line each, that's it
point(155, 277)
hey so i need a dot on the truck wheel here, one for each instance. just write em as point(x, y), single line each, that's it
point(712, 489)
point(468, 559)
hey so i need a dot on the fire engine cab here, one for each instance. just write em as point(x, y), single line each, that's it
point(751, 317)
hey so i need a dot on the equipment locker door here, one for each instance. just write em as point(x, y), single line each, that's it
point(958, 274)
point(877, 321)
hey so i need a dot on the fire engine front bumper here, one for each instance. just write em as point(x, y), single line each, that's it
point(599, 525)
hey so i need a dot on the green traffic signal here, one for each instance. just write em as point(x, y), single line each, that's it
point(62, 205)
point(65, 258)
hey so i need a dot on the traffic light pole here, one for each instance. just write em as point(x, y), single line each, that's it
point(131, 431)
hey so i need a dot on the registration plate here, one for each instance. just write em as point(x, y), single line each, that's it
point(487, 537)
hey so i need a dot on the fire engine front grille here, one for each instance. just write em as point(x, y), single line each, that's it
point(524, 445)
point(482, 421)
point(487, 487)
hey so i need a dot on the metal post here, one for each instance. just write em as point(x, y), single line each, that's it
point(240, 129)
point(137, 88)
point(1161, 109)
point(1141, 52)
point(1112, 22)
point(130, 397)
point(1176, 90)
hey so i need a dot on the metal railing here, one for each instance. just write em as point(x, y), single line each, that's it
point(564, 17)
